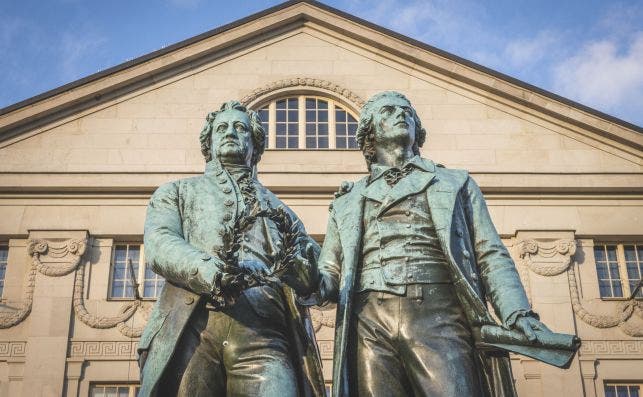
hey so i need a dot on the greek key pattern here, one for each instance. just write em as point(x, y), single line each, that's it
point(326, 349)
point(611, 347)
point(102, 349)
point(13, 349)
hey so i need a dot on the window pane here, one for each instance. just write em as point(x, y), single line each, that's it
point(340, 143)
point(322, 104)
point(323, 116)
point(605, 289)
point(123, 392)
point(293, 142)
point(280, 116)
point(611, 253)
point(621, 391)
point(610, 391)
point(352, 142)
point(601, 271)
point(281, 142)
point(310, 103)
point(617, 288)
point(614, 273)
point(311, 129)
point(311, 116)
point(630, 253)
point(110, 392)
point(340, 115)
point(634, 391)
point(340, 129)
point(323, 142)
point(293, 115)
point(352, 129)
point(311, 143)
point(292, 103)
point(281, 104)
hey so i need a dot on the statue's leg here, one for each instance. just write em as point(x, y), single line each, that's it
point(436, 343)
point(204, 374)
point(257, 355)
point(379, 371)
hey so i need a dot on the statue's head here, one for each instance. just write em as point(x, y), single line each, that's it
point(234, 135)
point(388, 119)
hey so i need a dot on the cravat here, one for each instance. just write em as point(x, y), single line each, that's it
point(393, 175)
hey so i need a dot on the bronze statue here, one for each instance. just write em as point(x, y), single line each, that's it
point(412, 258)
point(224, 324)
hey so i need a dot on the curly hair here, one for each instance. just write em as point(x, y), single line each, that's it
point(258, 134)
point(365, 134)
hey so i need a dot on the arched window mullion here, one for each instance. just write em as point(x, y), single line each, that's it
point(272, 125)
point(331, 125)
point(302, 121)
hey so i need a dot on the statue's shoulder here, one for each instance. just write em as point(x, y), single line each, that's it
point(346, 190)
point(456, 175)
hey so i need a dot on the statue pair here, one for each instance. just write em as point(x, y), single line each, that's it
point(411, 258)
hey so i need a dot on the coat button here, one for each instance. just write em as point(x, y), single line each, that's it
point(458, 232)
point(408, 225)
point(205, 257)
point(466, 254)
point(222, 180)
point(376, 205)
point(221, 232)
point(228, 202)
point(410, 276)
point(225, 343)
point(226, 189)
point(188, 300)
point(246, 249)
point(474, 276)
point(227, 217)
point(195, 271)
point(408, 213)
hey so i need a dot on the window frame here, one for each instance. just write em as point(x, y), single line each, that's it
point(133, 388)
point(622, 269)
point(140, 276)
point(628, 384)
point(271, 105)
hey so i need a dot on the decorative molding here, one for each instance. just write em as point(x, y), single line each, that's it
point(57, 259)
point(321, 318)
point(547, 258)
point(326, 348)
point(102, 349)
point(304, 82)
point(53, 259)
point(13, 349)
point(611, 347)
point(52, 252)
point(624, 310)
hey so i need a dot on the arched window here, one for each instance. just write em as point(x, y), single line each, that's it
point(308, 122)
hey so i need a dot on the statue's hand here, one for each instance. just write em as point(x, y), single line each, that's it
point(303, 275)
point(527, 325)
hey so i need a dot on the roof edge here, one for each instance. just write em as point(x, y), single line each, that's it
point(340, 13)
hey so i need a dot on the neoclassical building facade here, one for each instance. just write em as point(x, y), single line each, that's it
point(78, 164)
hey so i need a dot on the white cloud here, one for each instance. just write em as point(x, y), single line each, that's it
point(525, 52)
point(605, 75)
point(76, 49)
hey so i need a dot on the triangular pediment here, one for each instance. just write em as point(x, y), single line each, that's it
point(145, 115)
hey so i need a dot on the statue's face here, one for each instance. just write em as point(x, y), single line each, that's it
point(231, 138)
point(393, 122)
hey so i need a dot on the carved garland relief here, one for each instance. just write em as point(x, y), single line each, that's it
point(551, 258)
point(57, 259)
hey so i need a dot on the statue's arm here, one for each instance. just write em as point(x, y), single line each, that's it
point(330, 262)
point(497, 270)
point(166, 249)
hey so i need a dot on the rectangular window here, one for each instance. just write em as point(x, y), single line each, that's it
point(128, 266)
point(287, 124)
point(4, 255)
point(619, 267)
point(622, 389)
point(113, 390)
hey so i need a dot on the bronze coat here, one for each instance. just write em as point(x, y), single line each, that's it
point(183, 228)
point(480, 264)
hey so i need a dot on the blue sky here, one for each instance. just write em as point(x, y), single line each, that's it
point(589, 51)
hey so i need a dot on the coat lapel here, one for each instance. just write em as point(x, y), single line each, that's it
point(411, 184)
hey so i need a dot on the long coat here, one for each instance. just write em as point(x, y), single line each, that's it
point(480, 264)
point(184, 226)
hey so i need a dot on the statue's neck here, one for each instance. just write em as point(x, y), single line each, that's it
point(395, 156)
